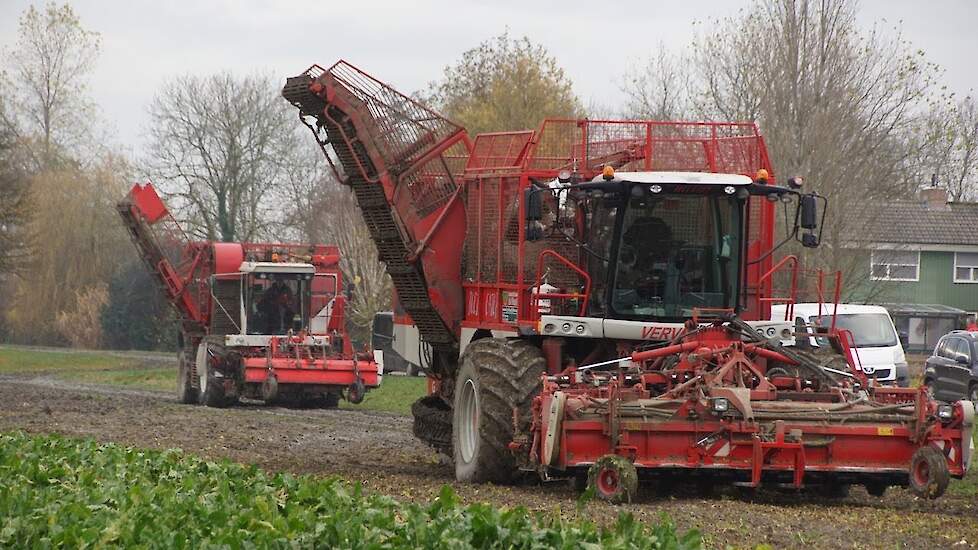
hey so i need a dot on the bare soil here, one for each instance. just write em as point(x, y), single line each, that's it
point(378, 450)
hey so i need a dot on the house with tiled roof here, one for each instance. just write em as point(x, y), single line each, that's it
point(923, 256)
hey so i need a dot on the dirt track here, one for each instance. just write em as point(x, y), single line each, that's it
point(379, 450)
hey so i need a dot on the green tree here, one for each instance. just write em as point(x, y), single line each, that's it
point(504, 84)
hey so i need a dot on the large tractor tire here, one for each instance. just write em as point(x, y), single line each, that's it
point(187, 385)
point(497, 376)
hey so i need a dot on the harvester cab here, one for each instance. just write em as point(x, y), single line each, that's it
point(662, 245)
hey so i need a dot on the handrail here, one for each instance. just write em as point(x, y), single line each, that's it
point(789, 311)
point(537, 295)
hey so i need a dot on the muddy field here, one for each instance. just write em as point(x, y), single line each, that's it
point(378, 450)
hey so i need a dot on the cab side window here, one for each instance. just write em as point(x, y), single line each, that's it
point(942, 349)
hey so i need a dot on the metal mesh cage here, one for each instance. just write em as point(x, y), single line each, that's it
point(499, 151)
point(648, 145)
point(402, 129)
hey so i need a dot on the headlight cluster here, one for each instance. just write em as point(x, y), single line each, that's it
point(566, 328)
point(945, 412)
point(720, 404)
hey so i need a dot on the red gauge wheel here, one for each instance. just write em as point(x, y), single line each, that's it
point(929, 475)
point(613, 479)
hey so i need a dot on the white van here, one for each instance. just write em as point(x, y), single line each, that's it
point(877, 347)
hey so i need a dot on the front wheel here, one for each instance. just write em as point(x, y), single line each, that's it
point(211, 385)
point(497, 377)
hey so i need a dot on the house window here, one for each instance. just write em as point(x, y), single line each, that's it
point(895, 265)
point(966, 267)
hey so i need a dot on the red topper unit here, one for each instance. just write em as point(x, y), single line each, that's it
point(263, 321)
point(593, 301)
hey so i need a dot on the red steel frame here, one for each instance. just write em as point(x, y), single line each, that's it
point(497, 294)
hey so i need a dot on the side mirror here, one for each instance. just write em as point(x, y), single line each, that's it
point(533, 212)
point(809, 212)
point(962, 360)
point(808, 220)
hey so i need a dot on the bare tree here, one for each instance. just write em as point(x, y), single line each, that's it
point(222, 145)
point(659, 89)
point(834, 102)
point(49, 66)
point(326, 212)
point(945, 147)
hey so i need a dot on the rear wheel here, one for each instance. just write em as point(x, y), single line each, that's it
point(929, 475)
point(187, 392)
point(497, 376)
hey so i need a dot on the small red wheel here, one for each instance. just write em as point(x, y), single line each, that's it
point(929, 475)
point(613, 479)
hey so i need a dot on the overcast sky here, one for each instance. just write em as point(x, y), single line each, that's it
point(407, 43)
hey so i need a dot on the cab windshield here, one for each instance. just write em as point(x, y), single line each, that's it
point(277, 303)
point(676, 252)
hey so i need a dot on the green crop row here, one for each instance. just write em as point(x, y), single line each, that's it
point(64, 492)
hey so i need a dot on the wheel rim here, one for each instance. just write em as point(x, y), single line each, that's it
point(608, 481)
point(468, 426)
point(921, 473)
point(202, 368)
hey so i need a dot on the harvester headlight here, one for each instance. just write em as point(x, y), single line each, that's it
point(945, 412)
point(761, 176)
point(566, 327)
point(608, 172)
point(655, 188)
point(720, 405)
point(549, 327)
point(730, 189)
point(579, 329)
point(564, 176)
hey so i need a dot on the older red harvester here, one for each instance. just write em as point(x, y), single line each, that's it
point(262, 321)
point(593, 297)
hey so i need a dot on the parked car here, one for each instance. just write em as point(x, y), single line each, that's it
point(951, 373)
point(382, 341)
point(877, 350)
